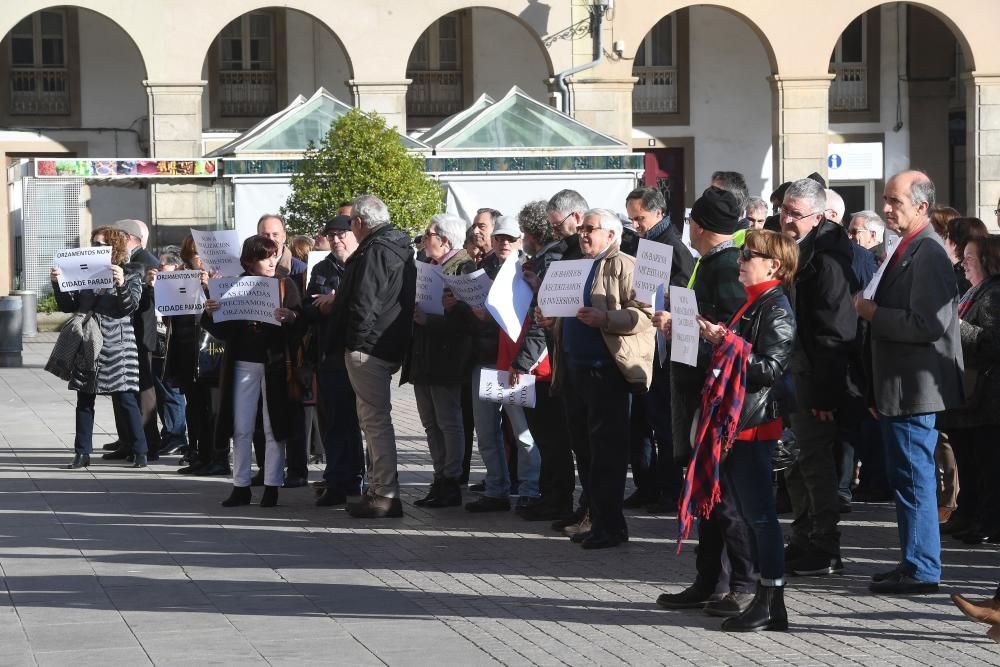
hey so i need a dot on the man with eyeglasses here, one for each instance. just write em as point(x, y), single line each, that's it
point(336, 401)
point(565, 213)
point(827, 333)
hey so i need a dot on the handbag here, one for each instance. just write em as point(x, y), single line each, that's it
point(208, 367)
point(78, 348)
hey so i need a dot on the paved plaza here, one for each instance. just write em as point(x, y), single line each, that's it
point(118, 567)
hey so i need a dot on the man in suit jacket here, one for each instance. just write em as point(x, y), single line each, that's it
point(917, 367)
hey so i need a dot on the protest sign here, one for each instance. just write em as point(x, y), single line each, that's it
point(652, 269)
point(84, 268)
point(684, 326)
point(509, 299)
point(470, 288)
point(495, 386)
point(561, 293)
point(178, 293)
point(219, 251)
point(658, 305)
point(891, 243)
point(430, 289)
point(315, 257)
point(247, 298)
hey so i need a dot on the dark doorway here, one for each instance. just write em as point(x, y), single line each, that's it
point(665, 171)
point(854, 197)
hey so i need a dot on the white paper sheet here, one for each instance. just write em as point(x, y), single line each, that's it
point(220, 251)
point(495, 386)
point(248, 298)
point(561, 293)
point(84, 268)
point(652, 269)
point(315, 257)
point(891, 243)
point(509, 298)
point(684, 326)
point(430, 289)
point(178, 293)
point(471, 288)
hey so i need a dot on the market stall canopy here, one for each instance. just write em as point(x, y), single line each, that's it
point(516, 123)
point(290, 131)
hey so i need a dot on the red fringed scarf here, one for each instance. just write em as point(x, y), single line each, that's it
point(721, 403)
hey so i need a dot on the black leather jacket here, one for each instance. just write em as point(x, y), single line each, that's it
point(769, 325)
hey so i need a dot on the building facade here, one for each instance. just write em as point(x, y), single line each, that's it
point(758, 86)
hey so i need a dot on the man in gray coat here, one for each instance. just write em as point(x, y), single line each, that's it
point(916, 371)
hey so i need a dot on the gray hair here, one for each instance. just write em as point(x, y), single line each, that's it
point(277, 216)
point(922, 190)
point(835, 203)
point(811, 191)
point(450, 227)
point(531, 218)
point(734, 183)
point(171, 255)
point(609, 220)
point(651, 199)
point(756, 204)
point(873, 222)
point(371, 210)
point(566, 202)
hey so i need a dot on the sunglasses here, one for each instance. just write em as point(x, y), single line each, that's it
point(746, 254)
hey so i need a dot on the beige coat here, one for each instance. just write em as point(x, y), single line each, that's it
point(628, 334)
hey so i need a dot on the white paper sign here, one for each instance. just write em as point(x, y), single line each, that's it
point(684, 326)
point(178, 293)
point(219, 251)
point(891, 243)
point(84, 268)
point(247, 298)
point(561, 293)
point(315, 257)
point(430, 289)
point(495, 386)
point(652, 269)
point(658, 305)
point(509, 299)
point(470, 288)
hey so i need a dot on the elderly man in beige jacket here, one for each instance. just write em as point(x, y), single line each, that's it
point(602, 356)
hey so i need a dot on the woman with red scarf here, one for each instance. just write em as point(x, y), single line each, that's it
point(768, 261)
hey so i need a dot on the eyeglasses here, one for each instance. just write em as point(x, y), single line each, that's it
point(339, 235)
point(791, 216)
point(428, 234)
point(746, 254)
point(588, 229)
point(857, 232)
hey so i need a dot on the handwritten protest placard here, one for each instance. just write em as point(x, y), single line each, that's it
point(471, 288)
point(247, 298)
point(509, 299)
point(495, 386)
point(561, 293)
point(684, 324)
point(220, 251)
point(430, 289)
point(84, 268)
point(652, 269)
point(178, 293)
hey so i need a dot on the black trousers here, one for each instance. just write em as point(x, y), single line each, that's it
point(978, 459)
point(651, 453)
point(469, 425)
point(725, 530)
point(556, 478)
point(147, 409)
point(597, 415)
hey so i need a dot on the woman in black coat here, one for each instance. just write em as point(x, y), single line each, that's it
point(117, 371)
point(254, 366)
point(768, 261)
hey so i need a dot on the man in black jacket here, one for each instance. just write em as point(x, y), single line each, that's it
point(338, 410)
point(565, 212)
point(657, 477)
point(144, 324)
point(373, 320)
point(827, 331)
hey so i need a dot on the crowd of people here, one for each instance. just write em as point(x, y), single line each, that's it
point(861, 350)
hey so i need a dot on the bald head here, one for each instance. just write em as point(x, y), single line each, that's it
point(835, 207)
point(907, 200)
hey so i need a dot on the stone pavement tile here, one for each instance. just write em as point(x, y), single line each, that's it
point(175, 620)
point(93, 657)
point(80, 636)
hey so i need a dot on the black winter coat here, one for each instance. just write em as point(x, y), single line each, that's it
point(144, 319)
point(667, 234)
point(769, 325)
point(486, 332)
point(325, 278)
point(373, 312)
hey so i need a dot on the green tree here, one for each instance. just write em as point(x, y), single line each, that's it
point(361, 155)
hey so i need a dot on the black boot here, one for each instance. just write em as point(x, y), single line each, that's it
point(79, 461)
point(449, 495)
point(432, 493)
point(270, 497)
point(239, 496)
point(766, 612)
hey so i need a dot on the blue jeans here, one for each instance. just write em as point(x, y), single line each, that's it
point(748, 468)
point(529, 461)
point(342, 443)
point(909, 443)
point(84, 441)
point(490, 439)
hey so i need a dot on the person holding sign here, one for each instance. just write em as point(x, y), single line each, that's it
point(767, 261)
point(437, 363)
point(603, 356)
point(255, 366)
point(117, 371)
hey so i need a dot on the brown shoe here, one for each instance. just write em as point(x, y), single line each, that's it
point(987, 611)
point(373, 506)
point(582, 527)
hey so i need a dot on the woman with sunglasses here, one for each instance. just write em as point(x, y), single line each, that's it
point(117, 371)
point(767, 262)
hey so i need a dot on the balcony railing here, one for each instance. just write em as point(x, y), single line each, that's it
point(434, 92)
point(655, 91)
point(247, 93)
point(849, 91)
point(39, 91)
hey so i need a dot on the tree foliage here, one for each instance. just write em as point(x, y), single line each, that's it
point(361, 155)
